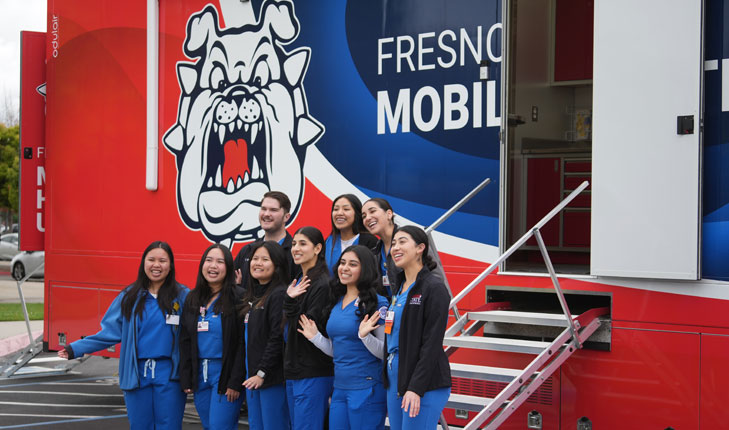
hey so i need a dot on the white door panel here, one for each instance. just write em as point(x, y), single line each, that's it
point(646, 177)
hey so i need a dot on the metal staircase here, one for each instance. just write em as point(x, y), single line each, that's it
point(521, 383)
point(467, 332)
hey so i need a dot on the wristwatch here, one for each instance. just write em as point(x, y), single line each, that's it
point(261, 374)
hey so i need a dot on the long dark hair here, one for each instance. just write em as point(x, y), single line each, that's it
point(419, 236)
point(357, 225)
point(202, 292)
point(368, 284)
point(167, 292)
point(320, 267)
point(280, 275)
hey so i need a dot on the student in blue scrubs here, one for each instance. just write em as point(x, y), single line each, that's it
point(379, 219)
point(211, 343)
point(355, 340)
point(347, 229)
point(262, 311)
point(417, 373)
point(145, 318)
point(308, 371)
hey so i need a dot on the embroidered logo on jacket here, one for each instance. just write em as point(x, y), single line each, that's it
point(416, 299)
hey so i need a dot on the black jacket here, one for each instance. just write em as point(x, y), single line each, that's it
point(232, 372)
point(392, 270)
point(423, 365)
point(243, 260)
point(301, 358)
point(368, 240)
point(265, 337)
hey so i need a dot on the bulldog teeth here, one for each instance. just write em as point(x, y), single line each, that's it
point(231, 126)
point(239, 183)
point(215, 127)
point(221, 134)
point(231, 185)
point(239, 124)
point(245, 178)
point(254, 172)
point(254, 132)
point(247, 126)
point(218, 178)
point(210, 182)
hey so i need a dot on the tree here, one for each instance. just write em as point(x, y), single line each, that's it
point(9, 112)
point(9, 163)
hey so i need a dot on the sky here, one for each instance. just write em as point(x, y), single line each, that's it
point(16, 15)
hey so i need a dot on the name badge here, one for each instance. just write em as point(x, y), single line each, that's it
point(385, 281)
point(172, 319)
point(202, 326)
point(389, 321)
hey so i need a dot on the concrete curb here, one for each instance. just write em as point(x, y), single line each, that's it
point(16, 343)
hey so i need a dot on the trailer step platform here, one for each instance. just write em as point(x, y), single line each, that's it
point(522, 383)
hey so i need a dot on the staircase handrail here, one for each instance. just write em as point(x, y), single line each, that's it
point(518, 244)
point(458, 205)
point(429, 230)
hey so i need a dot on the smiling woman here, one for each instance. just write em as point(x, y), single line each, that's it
point(211, 343)
point(417, 373)
point(262, 308)
point(145, 318)
point(347, 229)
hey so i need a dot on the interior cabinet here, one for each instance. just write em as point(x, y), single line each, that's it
point(573, 35)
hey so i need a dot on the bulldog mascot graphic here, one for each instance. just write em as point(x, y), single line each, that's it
point(243, 124)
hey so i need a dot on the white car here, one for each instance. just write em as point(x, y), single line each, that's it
point(8, 246)
point(25, 263)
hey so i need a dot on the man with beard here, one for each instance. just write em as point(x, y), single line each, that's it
point(272, 217)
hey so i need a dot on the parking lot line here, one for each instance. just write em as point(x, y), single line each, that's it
point(47, 423)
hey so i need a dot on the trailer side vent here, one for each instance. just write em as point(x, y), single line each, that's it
point(490, 389)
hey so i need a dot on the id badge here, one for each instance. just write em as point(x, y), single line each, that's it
point(389, 321)
point(202, 326)
point(246, 319)
point(172, 319)
point(385, 281)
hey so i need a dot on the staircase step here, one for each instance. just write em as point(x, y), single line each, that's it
point(514, 317)
point(469, 403)
point(497, 344)
point(483, 373)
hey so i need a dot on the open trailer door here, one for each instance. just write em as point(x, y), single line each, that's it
point(647, 108)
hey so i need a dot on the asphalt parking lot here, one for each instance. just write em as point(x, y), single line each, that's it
point(87, 398)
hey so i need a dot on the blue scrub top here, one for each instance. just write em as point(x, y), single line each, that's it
point(398, 305)
point(154, 335)
point(334, 252)
point(354, 366)
point(210, 343)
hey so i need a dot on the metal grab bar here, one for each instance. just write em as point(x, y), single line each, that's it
point(521, 242)
point(434, 250)
point(458, 205)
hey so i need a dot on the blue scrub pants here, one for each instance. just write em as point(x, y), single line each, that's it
point(363, 409)
point(214, 409)
point(431, 405)
point(268, 409)
point(308, 401)
point(158, 403)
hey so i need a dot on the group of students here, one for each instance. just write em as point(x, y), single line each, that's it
point(338, 333)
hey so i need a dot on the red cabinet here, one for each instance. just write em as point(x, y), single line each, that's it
point(574, 23)
point(549, 181)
